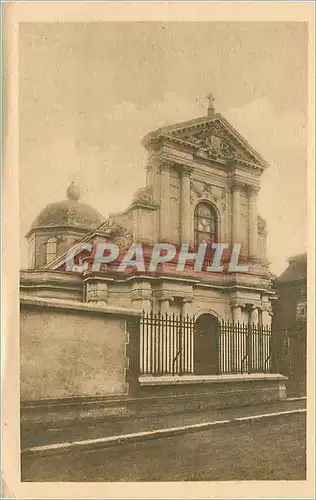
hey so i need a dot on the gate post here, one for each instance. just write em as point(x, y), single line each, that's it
point(249, 348)
point(218, 346)
point(275, 351)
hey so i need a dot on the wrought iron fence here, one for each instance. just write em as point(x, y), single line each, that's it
point(168, 345)
point(244, 348)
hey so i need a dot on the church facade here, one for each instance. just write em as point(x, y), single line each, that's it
point(192, 336)
point(202, 185)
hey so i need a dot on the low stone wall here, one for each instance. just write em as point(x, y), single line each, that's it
point(155, 399)
point(193, 393)
point(80, 361)
point(70, 349)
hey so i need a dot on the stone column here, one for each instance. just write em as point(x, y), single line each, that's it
point(237, 314)
point(149, 175)
point(186, 307)
point(236, 236)
point(254, 316)
point(164, 306)
point(253, 221)
point(141, 296)
point(266, 317)
point(185, 206)
point(164, 201)
point(146, 305)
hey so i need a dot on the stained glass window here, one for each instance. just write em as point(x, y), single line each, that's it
point(205, 224)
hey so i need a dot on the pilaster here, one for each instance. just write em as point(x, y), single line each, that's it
point(237, 306)
point(236, 314)
point(185, 205)
point(164, 229)
point(253, 221)
point(142, 296)
point(186, 307)
point(164, 306)
point(267, 315)
point(236, 220)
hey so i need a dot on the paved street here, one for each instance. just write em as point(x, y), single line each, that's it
point(273, 449)
point(83, 430)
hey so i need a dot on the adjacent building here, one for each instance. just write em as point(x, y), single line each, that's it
point(290, 324)
point(291, 292)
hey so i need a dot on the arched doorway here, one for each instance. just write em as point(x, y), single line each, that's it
point(206, 345)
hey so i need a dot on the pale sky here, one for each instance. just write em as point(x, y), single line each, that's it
point(90, 92)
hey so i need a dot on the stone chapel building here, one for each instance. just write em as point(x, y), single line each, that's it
point(83, 334)
point(202, 183)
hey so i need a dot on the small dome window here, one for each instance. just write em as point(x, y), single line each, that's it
point(51, 250)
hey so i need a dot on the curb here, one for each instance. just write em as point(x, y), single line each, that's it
point(120, 410)
point(92, 444)
point(300, 398)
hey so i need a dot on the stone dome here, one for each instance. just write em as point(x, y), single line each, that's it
point(69, 213)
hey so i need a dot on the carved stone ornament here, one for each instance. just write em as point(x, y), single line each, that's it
point(262, 225)
point(267, 308)
point(223, 205)
point(144, 196)
point(187, 300)
point(162, 296)
point(204, 190)
point(142, 295)
point(122, 241)
point(208, 189)
point(118, 234)
point(196, 191)
point(97, 292)
point(213, 141)
point(238, 303)
point(217, 193)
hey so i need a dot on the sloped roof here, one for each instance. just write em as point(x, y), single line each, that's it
point(296, 271)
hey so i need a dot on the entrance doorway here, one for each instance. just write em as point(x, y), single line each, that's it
point(206, 345)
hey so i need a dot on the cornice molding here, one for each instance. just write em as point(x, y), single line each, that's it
point(85, 307)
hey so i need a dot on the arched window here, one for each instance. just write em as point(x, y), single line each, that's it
point(51, 250)
point(205, 224)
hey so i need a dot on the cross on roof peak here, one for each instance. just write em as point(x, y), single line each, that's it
point(211, 100)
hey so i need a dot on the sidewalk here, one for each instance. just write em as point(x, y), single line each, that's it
point(100, 430)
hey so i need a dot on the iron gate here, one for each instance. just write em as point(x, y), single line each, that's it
point(167, 346)
point(289, 357)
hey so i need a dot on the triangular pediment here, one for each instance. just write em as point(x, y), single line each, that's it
point(214, 138)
